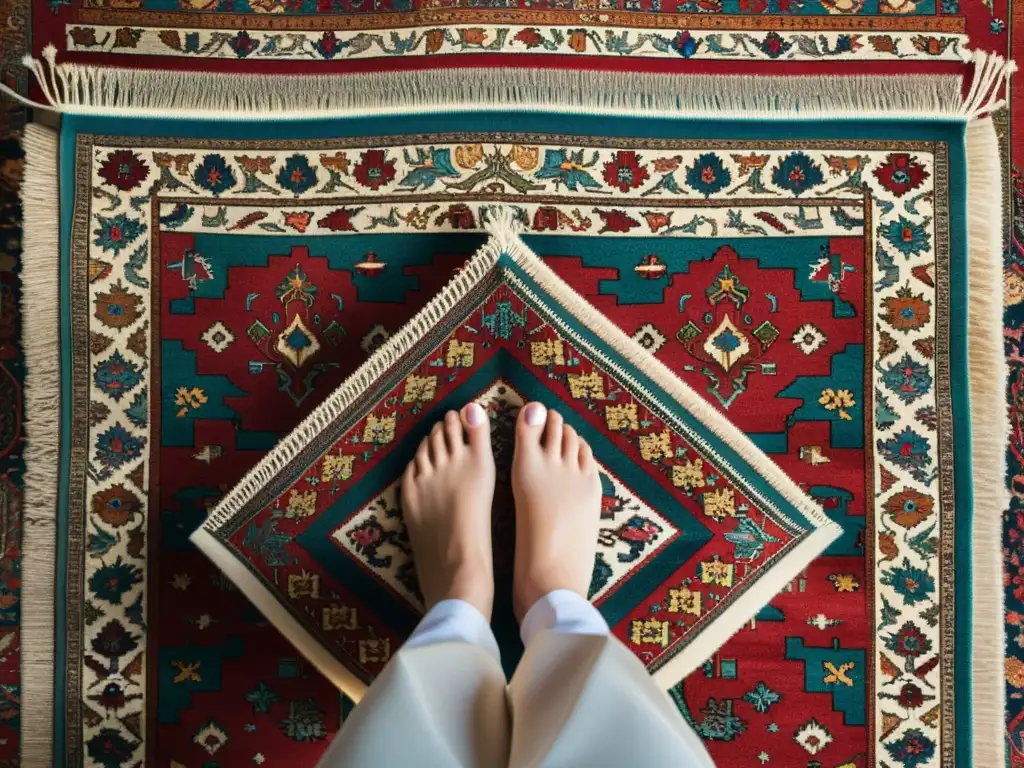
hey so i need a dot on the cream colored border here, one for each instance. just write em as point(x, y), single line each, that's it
point(505, 240)
point(40, 306)
point(990, 434)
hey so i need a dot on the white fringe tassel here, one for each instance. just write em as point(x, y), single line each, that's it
point(40, 262)
point(990, 434)
point(116, 91)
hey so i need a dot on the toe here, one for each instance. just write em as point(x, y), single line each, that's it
point(530, 424)
point(570, 442)
point(477, 425)
point(453, 435)
point(422, 460)
point(408, 482)
point(438, 450)
point(553, 432)
point(586, 455)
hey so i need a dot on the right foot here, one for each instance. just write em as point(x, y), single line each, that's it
point(557, 492)
point(446, 504)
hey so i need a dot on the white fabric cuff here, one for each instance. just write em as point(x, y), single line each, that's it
point(562, 611)
point(454, 621)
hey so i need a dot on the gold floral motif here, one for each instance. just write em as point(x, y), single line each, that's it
point(337, 466)
point(304, 584)
point(650, 632)
point(586, 385)
point(301, 504)
point(548, 352)
point(838, 400)
point(621, 417)
point(527, 158)
point(656, 446)
point(374, 649)
point(188, 399)
point(682, 599)
point(379, 430)
point(468, 155)
point(716, 572)
point(689, 475)
point(338, 617)
point(719, 504)
point(460, 354)
point(419, 389)
point(338, 161)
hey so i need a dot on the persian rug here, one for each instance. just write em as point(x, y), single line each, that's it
point(697, 524)
point(756, 37)
point(829, 259)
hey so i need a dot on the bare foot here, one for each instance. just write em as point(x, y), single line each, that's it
point(446, 501)
point(558, 507)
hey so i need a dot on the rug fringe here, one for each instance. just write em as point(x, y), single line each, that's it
point(117, 91)
point(990, 434)
point(40, 263)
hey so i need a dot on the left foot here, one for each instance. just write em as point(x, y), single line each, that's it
point(447, 491)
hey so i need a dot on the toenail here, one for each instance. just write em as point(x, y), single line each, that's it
point(475, 415)
point(535, 414)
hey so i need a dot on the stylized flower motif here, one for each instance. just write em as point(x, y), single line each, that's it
point(434, 39)
point(117, 446)
point(117, 232)
point(912, 749)
point(374, 338)
point(689, 475)
point(124, 169)
point(375, 650)
point(907, 237)
point(112, 697)
point(589, 386)
point(908, 378)
point(625, 172)
point(685, 44)
point(336, 616)
point(547, 352)
point(719, 723)
point(621, 418)
point(300, 504)
point(468, 155)
point(419, 389)
point(684, 600)
point(214, 174)
point(84, 37)
point(708, 174)
point(908, 507)
point(908, 450)
point(116, 506)
point(527, 158)
point(337, 466)
point(459, 354)
point(911, 583)
point(304, 584)
point(844, 582)
point(762, 697)
point(218, 337)
point(655, 446)
point(716, 572)
point(905, 311)
point(578, 40)
point(900, 173)
point(838, 400)
point(114, 641)
point(297, 175)
point(116, 376)
point(210, 737)
point(797, 173)
point(530, 37)
point(568, 168)
point(649, 337)
point(909, 642)
point(111, 582)
point(649, 632)
point(808, 338)
point(337, 162)
point(242, 44)
point(775, 45)
point(297, 220)
point(379, 430)
point(109, 749)
point(374, 169)
point(719, 504)
point(812, 736)
point(329, 45)
point(339, 220)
